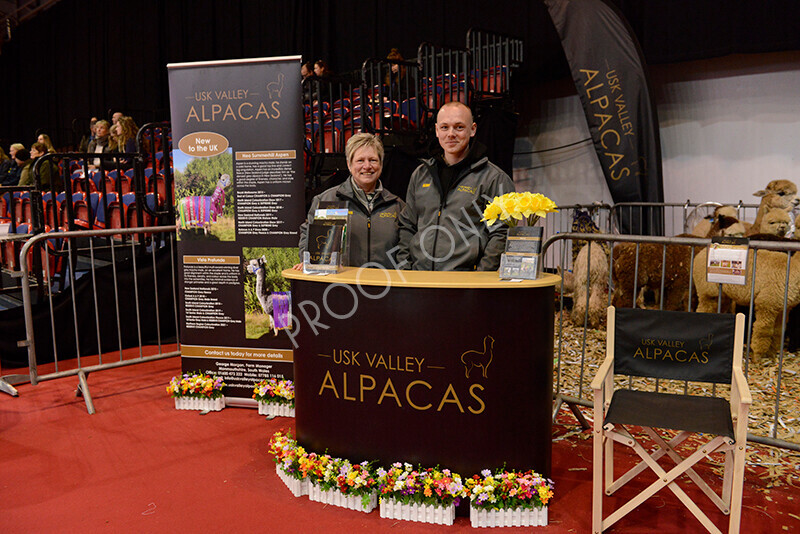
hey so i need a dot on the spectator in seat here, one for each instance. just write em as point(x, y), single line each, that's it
point(116, 116)
point(12, 175)
point(396, 76)
point(47, 171)
point(5, 165)
point(24, 161)
point(306, 69)
point(372, 231)
point(45, 139)
point(123, 139)
point(86, 139)
point(321, 69)
point(100, 143)
point(441, 227)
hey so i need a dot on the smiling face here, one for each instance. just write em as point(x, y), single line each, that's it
point(365, 168)
point(454, 127)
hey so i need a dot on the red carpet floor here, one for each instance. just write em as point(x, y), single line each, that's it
point(139, 465)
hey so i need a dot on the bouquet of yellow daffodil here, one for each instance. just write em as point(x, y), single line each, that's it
point(512, 208)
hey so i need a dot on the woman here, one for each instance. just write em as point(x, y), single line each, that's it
point(372, 230)
point(13, 172)
point(46, 169)
point(100, 143)
point(395, 79)
point(125, 131)
point(45, 139)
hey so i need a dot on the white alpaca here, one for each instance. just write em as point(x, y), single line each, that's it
point(257, 266)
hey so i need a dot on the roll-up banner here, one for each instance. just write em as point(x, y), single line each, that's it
point(608, 70)
point(237, 157)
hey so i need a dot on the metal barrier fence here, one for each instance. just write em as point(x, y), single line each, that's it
point(125, 303)
point(661, 265)
point(678, 218)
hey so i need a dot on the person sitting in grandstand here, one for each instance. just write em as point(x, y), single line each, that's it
point(47, 171)
point(44, 138)
point(24, 162)
point(123, 139)
point(321, 69)
point(12, 175)
point(5, 165)
point(116, 116)
point(100, 143)
point(396, 76)
point(306, 69)
point(86, 139)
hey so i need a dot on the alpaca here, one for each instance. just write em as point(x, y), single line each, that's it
point(474, 358)
point(722, 217)
point(201, 211)
point(597, 281)
point(257, 266)
point(775, 222)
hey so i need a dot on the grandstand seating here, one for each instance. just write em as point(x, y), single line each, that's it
point(337, 107)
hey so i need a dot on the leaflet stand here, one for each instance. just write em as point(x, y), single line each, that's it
point(327, 241)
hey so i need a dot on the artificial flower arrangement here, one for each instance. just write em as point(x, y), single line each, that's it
point(196, 384)
point(426, 488)
point(197, 390)
point(323, 470)
point(432, 486)
point(274, 391)
point(508, 489)
point(513, 208)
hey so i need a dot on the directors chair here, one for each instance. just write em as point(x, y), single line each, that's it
point(670, 346)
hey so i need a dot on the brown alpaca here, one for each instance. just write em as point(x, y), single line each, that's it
point(767, 295)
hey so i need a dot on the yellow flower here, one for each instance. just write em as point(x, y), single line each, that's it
point(513, 207)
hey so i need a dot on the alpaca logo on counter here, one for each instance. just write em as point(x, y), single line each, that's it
point(275, 88)
point(476, 358)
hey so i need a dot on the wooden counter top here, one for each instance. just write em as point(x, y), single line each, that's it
point(431, 279)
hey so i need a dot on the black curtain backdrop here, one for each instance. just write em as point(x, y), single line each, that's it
point(83, 58)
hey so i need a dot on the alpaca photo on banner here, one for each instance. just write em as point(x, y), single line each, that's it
point(204, 196)
point(266, 295)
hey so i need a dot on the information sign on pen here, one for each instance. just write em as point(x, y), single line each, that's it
point(727, 260)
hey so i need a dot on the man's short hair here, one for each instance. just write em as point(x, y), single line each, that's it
point(456, 104)
point(361, 140)
point(22, 155)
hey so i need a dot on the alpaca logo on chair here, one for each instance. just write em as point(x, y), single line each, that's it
point(201, 211)
point(476, 358)
point(705, 342)
point(275, 88)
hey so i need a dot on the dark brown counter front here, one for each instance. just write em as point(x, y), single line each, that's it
point(436, 368)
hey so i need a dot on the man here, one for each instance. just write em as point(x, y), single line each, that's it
point(441, 227)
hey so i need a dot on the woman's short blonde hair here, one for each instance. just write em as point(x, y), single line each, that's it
point(361, 140)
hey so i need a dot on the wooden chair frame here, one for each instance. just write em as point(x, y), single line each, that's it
point(604, 436)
